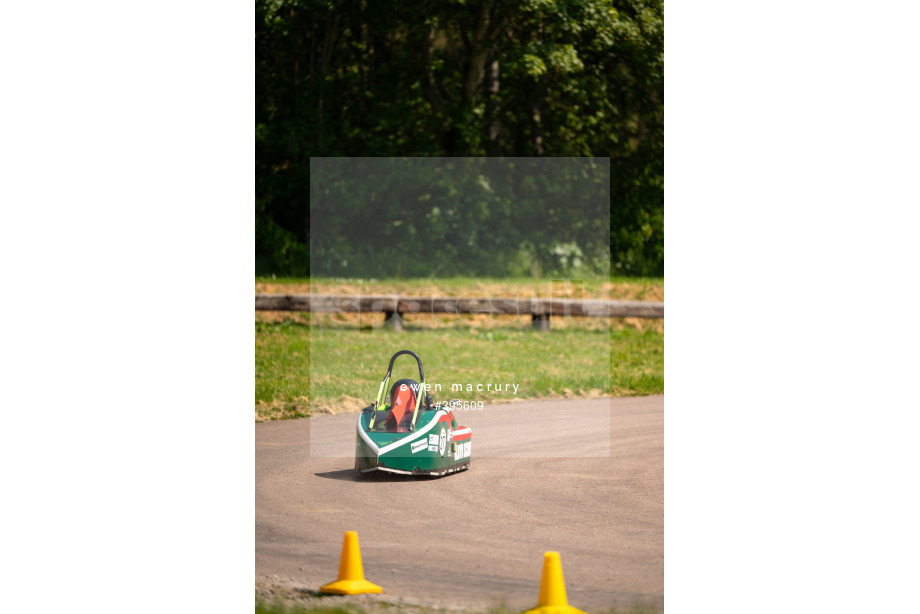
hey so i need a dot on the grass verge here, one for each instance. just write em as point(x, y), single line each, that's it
point(579, 357)
point(348, 360)
point(346, 606)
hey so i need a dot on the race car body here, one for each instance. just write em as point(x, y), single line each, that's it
point(401, 434)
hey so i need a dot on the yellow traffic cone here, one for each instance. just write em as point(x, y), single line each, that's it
point(552, 589)
point(351, 573)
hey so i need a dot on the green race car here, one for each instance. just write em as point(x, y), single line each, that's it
point(400, 433)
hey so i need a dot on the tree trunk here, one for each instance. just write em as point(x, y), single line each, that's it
point(537, 129)
point(478, 48)
point(493, 107)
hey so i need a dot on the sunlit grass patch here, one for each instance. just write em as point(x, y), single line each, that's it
point(303, 369)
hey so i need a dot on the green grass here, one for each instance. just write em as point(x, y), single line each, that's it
point(279, 606)
point(348, 363)
point(460, 282)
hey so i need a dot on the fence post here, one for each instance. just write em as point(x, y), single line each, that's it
point(540, 322)
point(393, 320)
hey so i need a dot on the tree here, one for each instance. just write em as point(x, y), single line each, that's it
point(457, 78)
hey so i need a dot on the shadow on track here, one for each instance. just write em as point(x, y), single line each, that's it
point(350, 475)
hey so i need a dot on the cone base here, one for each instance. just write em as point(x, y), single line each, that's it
point(350, 587)
point(554, 609)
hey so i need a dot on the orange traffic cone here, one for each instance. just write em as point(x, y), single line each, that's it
point(552, 589)
point(351, 573)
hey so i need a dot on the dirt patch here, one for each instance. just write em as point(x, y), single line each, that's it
point(627, 291)
point(341, 405)
point(282, 410)
point(302, 407)
point(299, 317)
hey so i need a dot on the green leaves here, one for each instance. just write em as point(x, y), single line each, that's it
point(470, 78)
point(565, 59)
point(560, 58)
point(534, 65)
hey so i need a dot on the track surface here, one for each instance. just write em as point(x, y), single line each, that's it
point(591, 489)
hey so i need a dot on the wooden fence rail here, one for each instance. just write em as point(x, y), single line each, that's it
point(392, 306)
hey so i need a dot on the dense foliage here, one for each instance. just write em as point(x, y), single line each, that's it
point(460, 78)
point(448, 217)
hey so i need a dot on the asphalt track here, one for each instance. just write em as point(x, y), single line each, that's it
point(584, 477)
